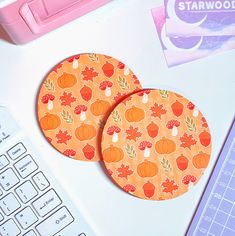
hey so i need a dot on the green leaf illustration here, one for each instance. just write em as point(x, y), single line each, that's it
point(190, 124)
point(166, 165)
point(93, 57)
point(123, 83)
point(130, 151)
point(164, 93)
point(49, 85)
point(116, 117)
point(67, 117)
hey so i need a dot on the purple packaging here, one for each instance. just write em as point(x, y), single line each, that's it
point(179, 50)
point(200, 17)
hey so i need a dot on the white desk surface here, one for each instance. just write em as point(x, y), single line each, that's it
point(125, 30)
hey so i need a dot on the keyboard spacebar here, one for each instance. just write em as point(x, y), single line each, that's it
point(55, 223)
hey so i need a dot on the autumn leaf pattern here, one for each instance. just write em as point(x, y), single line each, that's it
point(67, 99)
point(63, 137)
point(187, 141)
point(133, 133)
point(169, 186)
point(158, 111)
point(89, 74)
point(124, 171)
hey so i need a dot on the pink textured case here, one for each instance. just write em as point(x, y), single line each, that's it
point(25, 20)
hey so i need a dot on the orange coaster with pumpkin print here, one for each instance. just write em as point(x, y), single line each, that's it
point(156, 144)
point(75, 99)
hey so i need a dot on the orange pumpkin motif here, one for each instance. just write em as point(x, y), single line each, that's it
point(134, 114)
point(66, 80)
point(147, 169)
point(201, 160)
point(113, 154)
point(165, 146)
point(100, 107)
point(205, 138)
point(49, 122)
point(152, 129)
point(149, 189)
point(85, 132)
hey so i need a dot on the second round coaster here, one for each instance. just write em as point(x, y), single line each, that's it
point(76, 97)
point(156, 144)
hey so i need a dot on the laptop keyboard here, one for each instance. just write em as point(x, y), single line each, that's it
point(27, 200)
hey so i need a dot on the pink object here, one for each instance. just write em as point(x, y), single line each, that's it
point(25, 20)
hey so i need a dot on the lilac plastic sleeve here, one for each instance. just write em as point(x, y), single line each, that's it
point(200, 17)
point(179, 50)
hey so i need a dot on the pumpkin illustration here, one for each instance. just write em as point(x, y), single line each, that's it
point(149, 189)
point(49, 122)
point(66, 80)
point(205, 138)
point(182, 162)
point(152, 129)
point(177, 108)
point(165, 146)
point(113, 154)
point(85, 132)
point(100, 107)
point(201, 160)
point(147, 169)
point(86, 93)
point(89, 152)
point(134, 114)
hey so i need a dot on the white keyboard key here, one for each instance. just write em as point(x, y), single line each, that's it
point(1, 217)
point(1, 193)
point(9, 204)
point(16, 151)
point(55, 223)
point(9, 228)
point(26, 218)
point(26, 166)
point(30, 233)
point(47, 202)
point(26, 192)
point(3, 161)
point(41, 181)
point(8, 179)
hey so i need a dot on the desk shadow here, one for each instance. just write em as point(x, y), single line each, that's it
point(4, 36)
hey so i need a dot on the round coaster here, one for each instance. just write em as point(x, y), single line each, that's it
point(75, 99)
point(156, 144)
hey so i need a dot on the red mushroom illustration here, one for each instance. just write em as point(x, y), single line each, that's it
point(106, 85)
point(114, 130)
point(191, 106)
point(74, 60)
point(173, 124)
point(144, 94)
point(145, 146)
point(189, 180)
point(48, 99)
point(69, 153)
point(81, 110)
point(124, 67)
point(129, 188)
